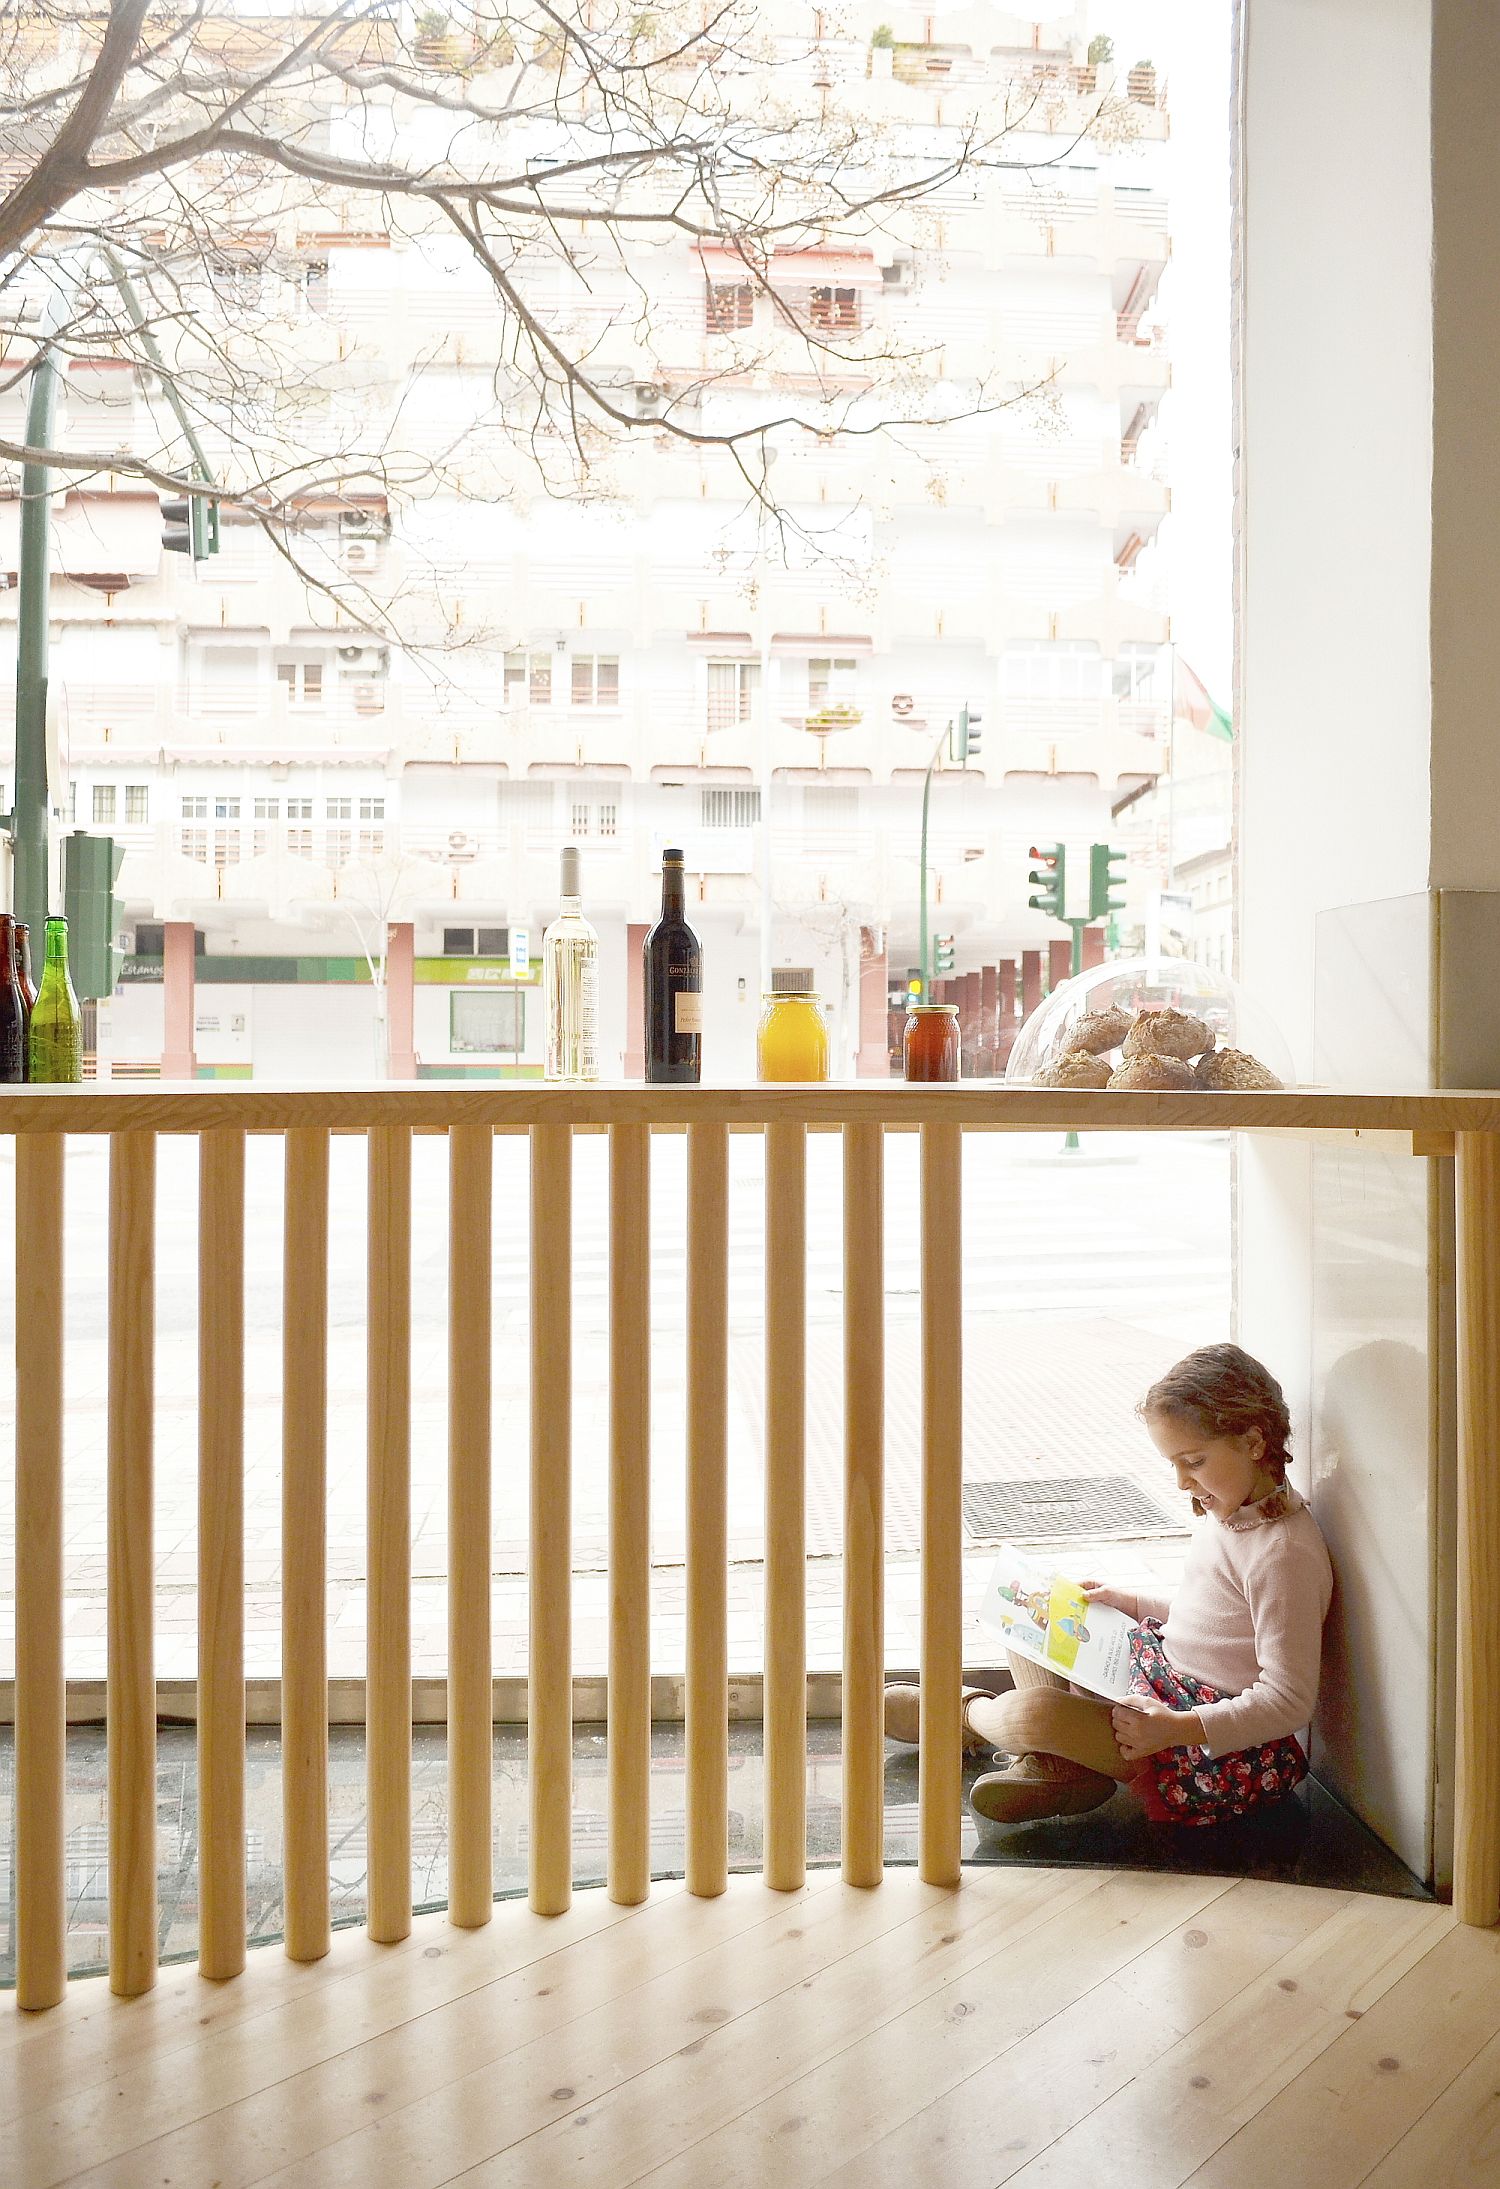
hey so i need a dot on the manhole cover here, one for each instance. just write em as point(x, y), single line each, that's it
point(1062, 1505)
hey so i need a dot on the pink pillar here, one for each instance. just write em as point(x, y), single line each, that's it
point(635, 1000)
point(400, 976)
point(1007, 972)
point(1093, 947)
point(989, 1021)
point(1059, 961)
point(873, 1059)
point(179, 974)
point(1031, 981)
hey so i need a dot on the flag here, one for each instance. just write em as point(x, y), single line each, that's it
point(1193, 703)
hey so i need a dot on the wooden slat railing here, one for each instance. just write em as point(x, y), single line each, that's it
point(387, 1118)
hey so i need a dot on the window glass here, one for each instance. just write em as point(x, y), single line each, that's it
point(482, 1022)
point(104, 801)
point(137, 802)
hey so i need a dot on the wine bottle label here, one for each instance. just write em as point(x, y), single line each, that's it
point(687, 1011)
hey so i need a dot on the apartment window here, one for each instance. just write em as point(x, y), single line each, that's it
point(260, 843)
point(579, 822)
point(104, 801)
point(226, 809)
point(486, 1021)
point(609, 816)
point(830, 809)
point(596, 680)
point(299, 842)
point(732, 686)
point(195, 809)
point(835, 311)
point(315, 285)
point(226, 847)
point(1137, 672)
point(299, 809)
point(372, 809)
point(529, 800)
point(194, 843)
point(338, 843)
point(1039, 668)
point(529, 677)
point(72, 801)
point(728, 306)
point(338, 809)
point(236, 279)
point(729, 808)
point(302, 681)
point(476, 942)
point(372, 843)
point(268, 809)
point(137, 802)
point(830, 682)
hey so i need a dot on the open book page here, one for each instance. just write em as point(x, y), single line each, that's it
point(1038, 1610)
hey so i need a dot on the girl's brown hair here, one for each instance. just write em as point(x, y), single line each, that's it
point(1224, 1391)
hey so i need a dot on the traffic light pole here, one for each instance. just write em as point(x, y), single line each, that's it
point(924, 966)
point(28, 819)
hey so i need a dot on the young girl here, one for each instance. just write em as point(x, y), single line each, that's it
point(1224, 1675)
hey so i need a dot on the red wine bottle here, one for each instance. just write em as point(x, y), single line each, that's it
point(15, 1016)
point(673, 987)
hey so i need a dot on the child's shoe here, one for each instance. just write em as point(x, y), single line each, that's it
point(903, 1716)
point(1034, 1786)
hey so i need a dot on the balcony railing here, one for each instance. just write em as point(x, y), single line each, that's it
point(387, 1119)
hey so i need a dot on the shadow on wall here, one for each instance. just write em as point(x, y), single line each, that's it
point(1371, 1502)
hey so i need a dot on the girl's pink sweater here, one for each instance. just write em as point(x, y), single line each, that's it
point(1247, 1617)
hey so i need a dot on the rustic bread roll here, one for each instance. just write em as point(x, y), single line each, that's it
point(1153, 1072)
point(1167, 1033)
point(1097, 1031)
point(1233, 1068)
point(1076, 1069)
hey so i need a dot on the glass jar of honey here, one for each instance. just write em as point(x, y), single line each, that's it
point(930, 1046)
point(792, 1041)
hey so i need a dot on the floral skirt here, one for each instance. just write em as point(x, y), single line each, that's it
point(1184, 1785)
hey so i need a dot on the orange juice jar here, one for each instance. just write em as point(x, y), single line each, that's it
point(792, 1040)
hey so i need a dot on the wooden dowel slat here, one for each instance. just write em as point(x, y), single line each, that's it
point(471, 1151)
point(131, 1681)
point(785, 1699)
point(629, 1729)
point(388, 1553)
point(706, 1701)
point(221, 1553)
point(41, 1729)
point(1476, 1850)
point(940, 1794)
point(864, 1504)
point(304, 1545)
point(550, 1663)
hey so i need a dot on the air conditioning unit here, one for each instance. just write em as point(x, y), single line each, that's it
point(900, 274)
point(649, 396)
point(366, 660)
point(361, 555)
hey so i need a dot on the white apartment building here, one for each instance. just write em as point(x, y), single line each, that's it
point(640, 668)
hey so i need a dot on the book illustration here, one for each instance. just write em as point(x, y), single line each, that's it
point(1047, 1615)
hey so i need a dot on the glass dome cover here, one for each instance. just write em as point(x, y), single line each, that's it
point(1236, 1019)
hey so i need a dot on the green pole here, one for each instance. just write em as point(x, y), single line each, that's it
point(29, 815)
point(923, 968)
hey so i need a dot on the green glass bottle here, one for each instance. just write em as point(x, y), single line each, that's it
point(56, 1052)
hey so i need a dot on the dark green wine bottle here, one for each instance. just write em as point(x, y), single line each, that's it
point(56, 1052)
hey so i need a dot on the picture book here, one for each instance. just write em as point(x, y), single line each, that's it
point(1036, 1609)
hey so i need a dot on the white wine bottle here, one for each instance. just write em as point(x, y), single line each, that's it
point(570, 984)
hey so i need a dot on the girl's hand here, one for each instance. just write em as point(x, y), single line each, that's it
point(1098, 1592)
point(1144, 1727)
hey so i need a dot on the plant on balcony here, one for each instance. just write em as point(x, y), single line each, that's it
point(882, 35)
point(839, 715)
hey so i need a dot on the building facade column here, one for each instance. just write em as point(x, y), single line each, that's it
point(873, 1057)
point(400, 998)
point(179, 1000)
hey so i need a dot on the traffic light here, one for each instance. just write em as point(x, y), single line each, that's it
point(1106, 886)
point(1047, 877)
point(964, 735)
point(189, 527)
point(91, 867)
point(942, 954)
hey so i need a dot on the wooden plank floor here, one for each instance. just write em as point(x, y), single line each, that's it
point(1033, 2027)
